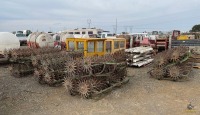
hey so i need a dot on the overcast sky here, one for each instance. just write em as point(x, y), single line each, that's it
point(131, 15)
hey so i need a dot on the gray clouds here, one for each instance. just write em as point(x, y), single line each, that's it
point(140, 15)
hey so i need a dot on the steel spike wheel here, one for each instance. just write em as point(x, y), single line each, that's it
point(160, 60)
point(36, 73)
point(70, 85)
point(87, 64)
point(174, 73)
point(175, 56)
point(70, 66)
point(95, 84)
point(158, 73)
point(48, 78)
point(34, 61)
point(84, 89)
point(15, 55)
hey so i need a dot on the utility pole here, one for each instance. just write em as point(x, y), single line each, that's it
point(116, 27)
point(125, 27)
point(131, 28)
point(89, 22)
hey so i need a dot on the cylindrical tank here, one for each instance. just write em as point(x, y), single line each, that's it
point(60, 39)
point(44, 40)
point(31, 39)
point(8, 41)
point(39, 39)
point(64, 36)
point(56, 37)
point(57, 40)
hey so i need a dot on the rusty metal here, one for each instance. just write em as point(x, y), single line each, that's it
point(70, 85)
point(120, 56)
point(70, 66)
point(160, 60)
point(172, 64)
point(84, 88)
point(80, 75)
point(158, 73)
point(87, 64)
point(174, 73)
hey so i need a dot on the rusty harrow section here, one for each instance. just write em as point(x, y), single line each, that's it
point(21, 59)
point(84, 76)
point(53, 68)
point(172, 64)
point(90, 75)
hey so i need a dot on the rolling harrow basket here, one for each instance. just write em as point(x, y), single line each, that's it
point(84, 76)
point(172, 64)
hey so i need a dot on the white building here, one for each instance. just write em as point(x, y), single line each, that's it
point(82, 31)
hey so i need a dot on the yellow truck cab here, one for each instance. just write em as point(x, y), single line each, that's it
point(90, 46)
point(115, 44)
point(95, 46)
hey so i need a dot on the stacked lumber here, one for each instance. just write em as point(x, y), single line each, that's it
point(139, 56)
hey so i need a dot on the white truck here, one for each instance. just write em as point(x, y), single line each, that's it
point(22, 36)
point(107, 35)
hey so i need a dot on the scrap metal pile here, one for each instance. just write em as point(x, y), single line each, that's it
point(91, 76)
point(172, 64)
point(71, 68)
point(21, 64)
point(196, 54)
point(85, 76)
point(49, 68)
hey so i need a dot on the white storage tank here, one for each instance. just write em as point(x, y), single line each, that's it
point(40, 39)
point(8, 41)
point(31, 39)
point(60, 39)
point(56, 37)
point(65, 36)
point(45, 40)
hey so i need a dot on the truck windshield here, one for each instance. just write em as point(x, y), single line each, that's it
point(109, 35)
point(20, 35)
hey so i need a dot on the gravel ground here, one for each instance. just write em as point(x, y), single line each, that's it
point(141, 96)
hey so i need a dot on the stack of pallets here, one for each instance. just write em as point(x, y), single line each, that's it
point(139, 56)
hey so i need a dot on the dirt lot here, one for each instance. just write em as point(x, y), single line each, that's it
point(141, 96)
